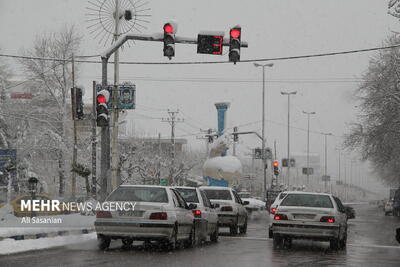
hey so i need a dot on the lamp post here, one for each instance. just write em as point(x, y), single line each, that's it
point(264, 160)
point(288, 135)
point(326, 158)
point(308, 144)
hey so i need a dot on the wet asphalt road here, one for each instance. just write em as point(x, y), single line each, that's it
point(371, 242)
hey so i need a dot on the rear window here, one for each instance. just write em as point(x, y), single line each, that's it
point(189, 195)
point(307, 200)
point(139, 194)
point(218, 194)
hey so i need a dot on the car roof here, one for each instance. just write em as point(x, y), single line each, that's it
point(308, 193)
point(215, 187)
point(185, 187)
point(150, 186)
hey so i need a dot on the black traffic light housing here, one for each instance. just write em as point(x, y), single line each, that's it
point(103, 96)
point(210, 136)
point(169, 39)
point(79, 103)
point(235, 134)
point(234, 44)
point(276, 168)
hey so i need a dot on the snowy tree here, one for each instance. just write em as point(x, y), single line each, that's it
point(377, 132)
point(51, 80)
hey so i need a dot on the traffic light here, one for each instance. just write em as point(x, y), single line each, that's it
point(235, 135)
point(234, 44)
point(103, 96)
point(210, 136)
point(276, 167)
point(169, 39)
point(79, 103)
point(257, 153)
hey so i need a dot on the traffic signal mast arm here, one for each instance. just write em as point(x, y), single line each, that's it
point(251, 132)
point(159, 37)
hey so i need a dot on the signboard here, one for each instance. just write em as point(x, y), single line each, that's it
point(310, 171)
point(8, 159)
point(127, 95)
point(163, 181)
point(21, 96)
point(258, 155)
point(326, 178)
point(209, 44)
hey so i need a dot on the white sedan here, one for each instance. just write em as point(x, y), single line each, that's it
point(316, 216)
point(205, 216)
point(160, 214)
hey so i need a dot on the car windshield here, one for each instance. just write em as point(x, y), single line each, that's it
point(189, 195)
point(218, 194)
point(307, 200)
point(139, 194)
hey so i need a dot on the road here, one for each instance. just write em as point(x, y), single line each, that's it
point(371, 242)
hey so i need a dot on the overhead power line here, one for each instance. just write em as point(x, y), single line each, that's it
point(216, 62)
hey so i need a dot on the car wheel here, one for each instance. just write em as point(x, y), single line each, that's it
point(191, 241)
point(287, 242)
point(172, 243)
point(277, 241)
point(343, 241)
point(214, 235)
point(127, 242)
point(243, 229)
point(103, 242)
point(334, 244)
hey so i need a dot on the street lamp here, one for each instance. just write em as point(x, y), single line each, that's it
point(326, 158)
point(264, 160)
point(288, 135)
point(308, 144)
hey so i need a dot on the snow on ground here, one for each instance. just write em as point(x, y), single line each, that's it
point(9, 246)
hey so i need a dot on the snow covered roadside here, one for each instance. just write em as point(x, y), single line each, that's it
point(9, 246)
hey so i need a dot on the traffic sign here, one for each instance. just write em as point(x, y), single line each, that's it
point(326, 178)
point(210, 43)
point(127, 95)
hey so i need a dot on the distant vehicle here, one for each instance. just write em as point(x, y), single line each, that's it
point(205, 216)
point(255, 205)
point(350, 212)
point(160, 214)
point(396, 203)
point(315, 216)
point(230, 208)
point(398, 235)
point(388, 207)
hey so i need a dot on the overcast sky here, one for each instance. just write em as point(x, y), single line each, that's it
point(272, 29)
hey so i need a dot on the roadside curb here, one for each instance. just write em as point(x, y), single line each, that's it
point(49, 234)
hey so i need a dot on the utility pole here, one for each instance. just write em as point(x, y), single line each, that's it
point(288, 135)
point(326, 159)
point(74, 118)
point(115, 104)
point(172, 120)
point(308, 145)
point(264, 159)
point(94, 143)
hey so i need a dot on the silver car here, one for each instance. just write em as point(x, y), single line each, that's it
point(315, 216)
point(205, 216)
point(160, 214)
point(230, 208)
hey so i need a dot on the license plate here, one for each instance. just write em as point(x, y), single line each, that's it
point(131, 213)
point(304, 216)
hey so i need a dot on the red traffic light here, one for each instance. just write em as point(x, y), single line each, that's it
point(276, 164)
point(235, 33)
point(101, 99)
point(168, 28)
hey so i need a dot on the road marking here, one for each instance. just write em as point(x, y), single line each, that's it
point(270, 239)
point(372, 246)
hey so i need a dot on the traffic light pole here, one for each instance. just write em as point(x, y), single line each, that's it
point(105, 130)
point(74, 118)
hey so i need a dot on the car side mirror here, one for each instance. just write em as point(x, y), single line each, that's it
point(246, 203)
point(192, 206)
